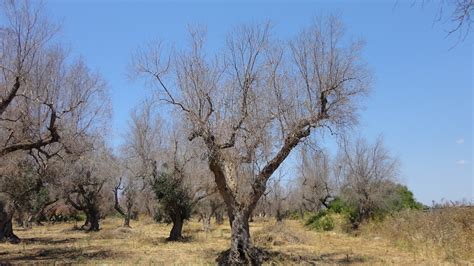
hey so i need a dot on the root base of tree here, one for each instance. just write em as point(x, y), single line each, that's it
point(12, 240)
point(254, 256)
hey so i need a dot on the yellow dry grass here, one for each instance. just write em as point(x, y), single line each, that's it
point(145, 243)
point(443, 234)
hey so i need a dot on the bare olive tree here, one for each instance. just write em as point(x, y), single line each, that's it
point(278, 197)
point(252, 103)
point(47, 101)
point(139, 153)
point(275, 200)
point(129, 196)
point(368, 172)
point(316, 180)
point(86, 177)
point(209, 207)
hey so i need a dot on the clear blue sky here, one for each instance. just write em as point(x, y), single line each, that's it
point(422, 98)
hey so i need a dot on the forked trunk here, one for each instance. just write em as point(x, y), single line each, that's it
point(176, 231)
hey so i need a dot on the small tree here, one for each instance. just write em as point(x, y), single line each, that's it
point(277, 197)
point(85, 197)
point(209, 207)
point(129, 196)
point(173, 197)
point(85, 180)
point(368, 171)
point(316, 180)
point(143, 146)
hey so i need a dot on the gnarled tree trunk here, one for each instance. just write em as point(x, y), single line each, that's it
point(94, 217)
point(176, 231)
point(6, 226)
point(6, 231)
point(219, 217)
point(241, 249)
point(129, 204)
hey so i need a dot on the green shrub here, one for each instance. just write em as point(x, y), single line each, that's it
point(340, 206)
point(398, 198)
point(404, 199)
point(321, 221)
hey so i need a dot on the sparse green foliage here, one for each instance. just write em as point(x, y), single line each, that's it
point(340, 206)
point(173, 197)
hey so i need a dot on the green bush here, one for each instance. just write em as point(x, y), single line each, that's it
point(404, 199)
point(173, 196)
point(321, 221)
point(340, 206)
point(398, 198)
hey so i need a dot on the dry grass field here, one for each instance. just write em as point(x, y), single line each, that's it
point(446, 233)
point(145, 243)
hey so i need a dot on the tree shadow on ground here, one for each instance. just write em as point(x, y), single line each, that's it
point(47, 240)
point(183, 239)
point(326, 258)
point(57, 254)
point(159, 241)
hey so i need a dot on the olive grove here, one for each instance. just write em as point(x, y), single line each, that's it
point(253, 104)
point(47, 102)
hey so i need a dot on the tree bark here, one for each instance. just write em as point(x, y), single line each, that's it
point(219, 217)
point(128, 216)
point(241, 250)
point(94, 220)
point(176, 231)
point(126, 222)
point(279, 216)
point(6, 226)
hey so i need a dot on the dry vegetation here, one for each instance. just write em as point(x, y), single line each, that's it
point(145, 243)
point(442, 234)
point(238, 115)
